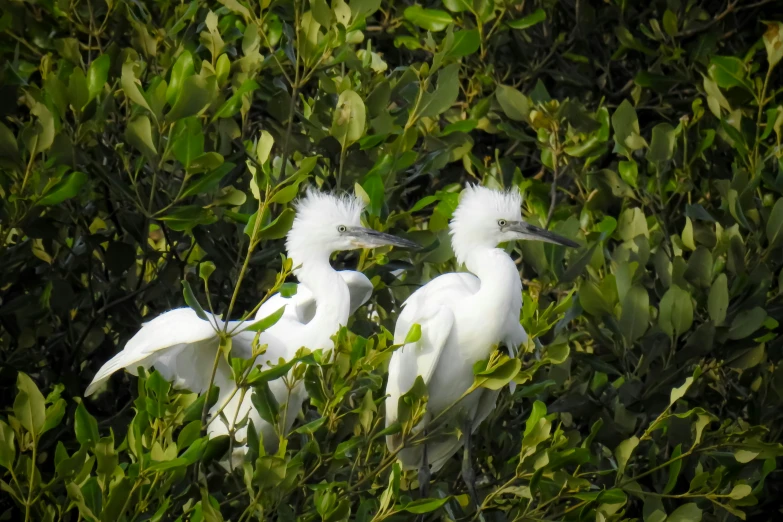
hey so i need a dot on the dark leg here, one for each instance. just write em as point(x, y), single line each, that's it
point(424, 472)
point(424, 478)
point(468, 475)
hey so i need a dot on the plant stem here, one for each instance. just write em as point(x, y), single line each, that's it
point(205, 409)
point(29, 164)
point(29, 502)
point(758, 120)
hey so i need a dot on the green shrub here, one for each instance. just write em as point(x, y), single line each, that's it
point(143, 144)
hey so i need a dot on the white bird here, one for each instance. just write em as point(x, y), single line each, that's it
point(182, 347)
point(462, 316)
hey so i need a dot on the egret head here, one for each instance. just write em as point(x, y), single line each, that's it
point(487, 217)
point(327, 223)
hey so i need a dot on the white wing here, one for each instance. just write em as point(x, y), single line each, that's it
point(160, 342)
point(430, 308)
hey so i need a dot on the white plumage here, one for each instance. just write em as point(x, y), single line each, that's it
point(182, 347)
point(462, 316)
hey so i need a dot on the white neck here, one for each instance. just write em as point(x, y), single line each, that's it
point(332, 300)
point(501, 289)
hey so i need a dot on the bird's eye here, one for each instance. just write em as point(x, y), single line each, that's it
point(502, 222)
point(341, 229)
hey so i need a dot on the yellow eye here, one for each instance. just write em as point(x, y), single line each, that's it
point(342, 228)
point(502, 223)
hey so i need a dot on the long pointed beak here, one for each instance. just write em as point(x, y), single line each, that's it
point(369, 238)
point(529, 231)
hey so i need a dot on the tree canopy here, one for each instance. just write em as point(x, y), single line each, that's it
point(147, 147)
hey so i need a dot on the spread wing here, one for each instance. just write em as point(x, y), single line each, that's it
point(301, 306)
point(160, 342)
point(430, 308)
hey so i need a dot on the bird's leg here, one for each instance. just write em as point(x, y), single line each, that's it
point(468, 475)
point(424, 472)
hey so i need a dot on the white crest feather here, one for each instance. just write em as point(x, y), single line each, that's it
point(477, 213)
point(317, 216)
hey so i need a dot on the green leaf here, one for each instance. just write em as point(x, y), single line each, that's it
point(7, 446)
point(718, 300)
point(285, 194)
point(499, 375)
point(139, 134)
point(265, 402)
point(191, 301)
point(624, 451)
point(458, 6)
point(233, 105)
point(414, 334)
point(264, 148)
point(536, 17)
point(740, 491)
point(675, 315)
point(373, 190)
point(238, 8)
point(699, 271)
point(54, 414)
point(8, 147)
point(775, 224)
point(746, 323)
point(728, 71)
point(280, 226)
point(196, 94)
point(773, 42)
point(29, 405)
point(537, 412)
point(635, 314)
point(44, 130)
point(445, 94)
point(118, 500)
point(311, 427)
point(662, 144)
point(670, 22)
point(188, 143)
point(625, 124)
point(430, 19)
point(349, 120)
point(277, 371)
point(183, 68)
point(97, 75)
point(680, 391)
point(129, 86)
point(209, 181)
point(364, 7)
point(65, 189)
point(424, 505)
point(674, 469)
point(78, 92)
point(466, 42)
point(205, 270)
point(685, 513)
point(513, 102)
point(592, 300)
point(85, 426)
point(267, 322)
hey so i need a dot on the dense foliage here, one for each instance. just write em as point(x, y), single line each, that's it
point(141, 141)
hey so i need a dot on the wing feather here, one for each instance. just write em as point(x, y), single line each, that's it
point(173, 330)
point(430, 308)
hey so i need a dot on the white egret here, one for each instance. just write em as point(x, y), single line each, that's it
point(182, 347)
point(462, 316)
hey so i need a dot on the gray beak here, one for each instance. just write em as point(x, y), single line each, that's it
point(534, 232)
point(369, 238)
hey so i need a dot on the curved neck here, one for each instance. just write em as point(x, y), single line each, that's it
point(332, 299)
point(501, 287)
